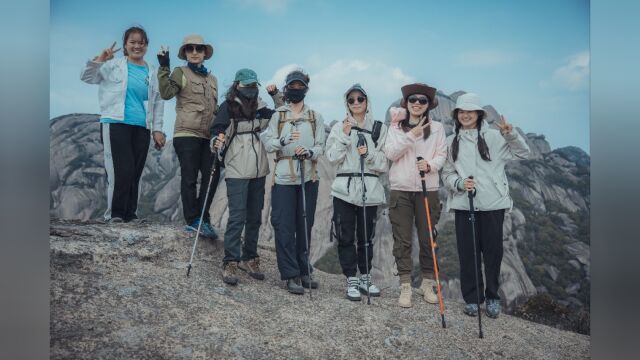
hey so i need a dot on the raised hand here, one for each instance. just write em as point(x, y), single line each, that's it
point(163, 56)
point(346, 126)
point(504, 126)
point(422, 124)
point(272, 89)
point(107, 54)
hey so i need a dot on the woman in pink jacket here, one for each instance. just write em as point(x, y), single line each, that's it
point(413, 134)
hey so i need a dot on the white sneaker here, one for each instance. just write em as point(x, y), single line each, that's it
point(353, 293)
point(373, 290)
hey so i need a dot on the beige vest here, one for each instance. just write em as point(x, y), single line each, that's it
point(196, 104)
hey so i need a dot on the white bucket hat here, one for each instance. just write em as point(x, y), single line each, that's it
point(469, 102)
point(195, 39)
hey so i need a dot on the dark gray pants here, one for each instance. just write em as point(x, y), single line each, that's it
point(246, 200)
point(351, 256)
point(288, 226)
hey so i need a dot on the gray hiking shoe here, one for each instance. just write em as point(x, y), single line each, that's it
point(373, 290)
point(353, 293)
point(471, 309)
point(493, 308)
point(294, 287)
point(308, 283)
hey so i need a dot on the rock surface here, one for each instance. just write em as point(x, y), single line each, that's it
point(120, 292)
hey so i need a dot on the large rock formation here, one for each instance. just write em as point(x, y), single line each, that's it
point(550, 215)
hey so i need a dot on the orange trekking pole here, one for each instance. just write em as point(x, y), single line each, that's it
point(433, 245)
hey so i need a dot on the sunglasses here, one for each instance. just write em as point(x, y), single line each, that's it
point(199, 48)
point(422, 100)
point(360, 99)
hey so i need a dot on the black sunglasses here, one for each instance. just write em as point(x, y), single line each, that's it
point(422, 100)
point(360, 99)
point(189, 48)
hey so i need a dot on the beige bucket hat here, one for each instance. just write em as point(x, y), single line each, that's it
point(195, 39)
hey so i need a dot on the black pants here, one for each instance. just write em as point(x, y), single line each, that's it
point(489, 244)
point(348, 222)
point(246, 200)
point(125, 153)
point(195, 157)
point(288, 226)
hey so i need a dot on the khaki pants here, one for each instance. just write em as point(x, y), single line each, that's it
point(406, 208)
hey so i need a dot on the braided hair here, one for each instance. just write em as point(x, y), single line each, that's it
point(482, 145)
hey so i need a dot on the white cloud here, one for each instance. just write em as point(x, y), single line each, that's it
point(328, 84)
point(484, 58)
point(273, 7)
point(574, 74)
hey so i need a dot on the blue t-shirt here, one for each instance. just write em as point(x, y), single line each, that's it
point(137, 94)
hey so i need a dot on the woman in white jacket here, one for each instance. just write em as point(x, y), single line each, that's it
point(130, 108)
point(476, 159)
point(347, 188)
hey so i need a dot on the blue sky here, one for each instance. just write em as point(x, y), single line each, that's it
point(530, 60)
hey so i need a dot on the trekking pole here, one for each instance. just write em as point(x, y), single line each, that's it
point(204, 206)
point(304, 214)
point(433, 245)
point(363, 142)
point(472, 217)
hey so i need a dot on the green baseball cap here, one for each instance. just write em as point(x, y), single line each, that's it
point(246, 76)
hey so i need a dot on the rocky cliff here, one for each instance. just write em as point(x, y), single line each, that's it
point(546, 235)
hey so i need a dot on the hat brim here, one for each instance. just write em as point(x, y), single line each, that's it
point(422, 89)
point(250, 81)
point(208, 53)
point(468, 107)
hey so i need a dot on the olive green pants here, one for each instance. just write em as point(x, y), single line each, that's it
point(406, 209)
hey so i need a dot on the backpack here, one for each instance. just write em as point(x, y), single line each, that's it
point(292, 173)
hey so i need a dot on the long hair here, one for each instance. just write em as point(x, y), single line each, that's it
point(129, 32)
point(404, 123)
point(248, 108)
point(483, 149)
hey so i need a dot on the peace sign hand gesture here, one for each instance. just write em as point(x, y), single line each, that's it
point(422, 124)
point(107, 54)
point(505, 127)
point(163, 56)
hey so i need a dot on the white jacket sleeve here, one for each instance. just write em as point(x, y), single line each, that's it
point(515, 148)
point(337, 144)
point(397, 143)
point(91, 72)
point(449, 174)
point(318, 143)
point(377, 160)
point(440, 157)
point(269, 137)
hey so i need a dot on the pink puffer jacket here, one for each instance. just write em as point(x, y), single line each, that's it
point(402, 148)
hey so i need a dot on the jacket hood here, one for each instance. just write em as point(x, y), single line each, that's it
point(367, 116)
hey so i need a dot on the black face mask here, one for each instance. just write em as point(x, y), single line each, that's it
point(248, 93)
point(295, 95)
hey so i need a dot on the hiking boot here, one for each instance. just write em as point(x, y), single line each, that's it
point(306, 282)
point(229, 271)
point(373, 290)
point(293, 286)
point(405, 295)
point(426, 290)
point(115, 220)
point(353, 293)
point(208, 230)
point(252, 267)
point(471, 309)
point(194, 226)
point(493, 308)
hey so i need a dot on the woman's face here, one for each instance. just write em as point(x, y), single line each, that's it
point(468, 119)
point(136, 46)
point(415, 104)
point(194, 53)
point(357, 102)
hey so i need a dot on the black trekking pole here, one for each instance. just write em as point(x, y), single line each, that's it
point(204, 206)
point(475, 255)
point(363, 142)
point(304, 216)
point(433, 244)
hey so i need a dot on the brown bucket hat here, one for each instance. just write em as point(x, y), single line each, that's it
point(420, 88)
point(195, 39)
